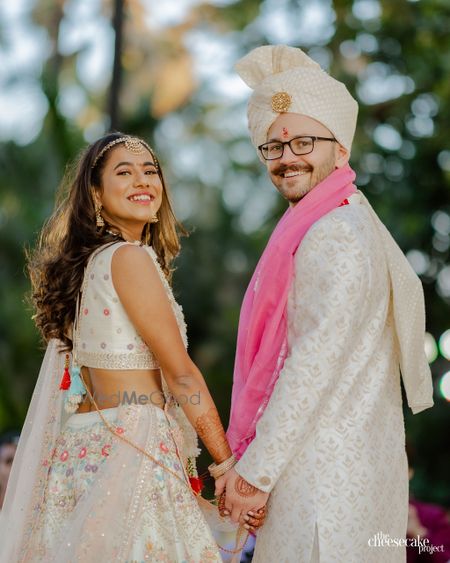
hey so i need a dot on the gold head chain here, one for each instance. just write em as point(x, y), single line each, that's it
point(134, 145)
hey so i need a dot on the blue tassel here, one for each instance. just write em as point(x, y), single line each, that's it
point(74, 395)
point(76, 385)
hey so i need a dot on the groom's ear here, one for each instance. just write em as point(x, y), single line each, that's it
point(341, 155)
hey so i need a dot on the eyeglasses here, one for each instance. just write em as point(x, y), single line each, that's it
point(298, 145)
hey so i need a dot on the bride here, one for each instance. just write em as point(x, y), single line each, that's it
point(105, 469)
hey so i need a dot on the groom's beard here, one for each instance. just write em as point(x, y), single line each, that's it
point(296, 187)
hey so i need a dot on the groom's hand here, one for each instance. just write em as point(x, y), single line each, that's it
point(240, 496)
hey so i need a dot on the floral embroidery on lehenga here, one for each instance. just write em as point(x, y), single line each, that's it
point(168, 524)
point(98, 486)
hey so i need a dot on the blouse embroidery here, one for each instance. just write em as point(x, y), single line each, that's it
point(120, 346)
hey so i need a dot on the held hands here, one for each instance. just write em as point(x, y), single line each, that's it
point(240, 500)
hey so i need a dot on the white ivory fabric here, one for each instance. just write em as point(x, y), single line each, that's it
point(272, 69)
point(330, 445)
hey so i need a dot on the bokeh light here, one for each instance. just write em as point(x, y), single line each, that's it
point(444, 386)
point(443, 287)
point(431, 349)
point(444, 344)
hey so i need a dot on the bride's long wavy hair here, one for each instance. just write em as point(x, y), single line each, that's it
point(56, 265)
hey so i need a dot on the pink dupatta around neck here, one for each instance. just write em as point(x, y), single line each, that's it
point(261, 342)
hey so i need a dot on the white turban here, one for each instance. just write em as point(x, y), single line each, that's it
point(285, 79)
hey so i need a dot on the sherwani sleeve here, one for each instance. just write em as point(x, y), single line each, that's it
point(327, 299)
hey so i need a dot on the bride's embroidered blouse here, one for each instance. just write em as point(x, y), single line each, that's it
point(104, 336)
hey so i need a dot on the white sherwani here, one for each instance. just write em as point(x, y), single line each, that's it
point(330, 446)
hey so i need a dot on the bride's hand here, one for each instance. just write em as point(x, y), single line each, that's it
point(241, 497)
point(252, 521)
point(255, 519)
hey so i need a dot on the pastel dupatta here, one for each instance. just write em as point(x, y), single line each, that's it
point(27, 481)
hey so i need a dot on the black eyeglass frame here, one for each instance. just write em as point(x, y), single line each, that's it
point(284, 143)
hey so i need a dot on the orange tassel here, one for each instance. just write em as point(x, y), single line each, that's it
point(65, 381)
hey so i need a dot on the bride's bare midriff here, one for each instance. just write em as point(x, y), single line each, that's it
point(113, 387)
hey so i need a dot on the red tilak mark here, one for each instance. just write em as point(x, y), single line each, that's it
point(285, 132)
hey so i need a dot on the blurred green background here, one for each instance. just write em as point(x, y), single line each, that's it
point(71, 70)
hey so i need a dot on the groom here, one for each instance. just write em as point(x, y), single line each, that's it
point(332, 312)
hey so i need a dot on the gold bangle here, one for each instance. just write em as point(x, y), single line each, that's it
point(217, 471)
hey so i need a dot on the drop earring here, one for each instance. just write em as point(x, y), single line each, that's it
point(147, 236)
point(99, 221)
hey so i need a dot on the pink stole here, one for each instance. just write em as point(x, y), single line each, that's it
point(262, 335)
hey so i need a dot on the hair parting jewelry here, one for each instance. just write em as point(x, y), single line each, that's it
point(132, 144)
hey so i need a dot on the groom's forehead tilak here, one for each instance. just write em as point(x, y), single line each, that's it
point(289, 125)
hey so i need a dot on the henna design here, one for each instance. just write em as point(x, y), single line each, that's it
point(244, 489)
point(210, 430)
point(257, 520)
point(221, 505)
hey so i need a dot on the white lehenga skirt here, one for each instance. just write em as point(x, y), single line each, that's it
point(106, 501)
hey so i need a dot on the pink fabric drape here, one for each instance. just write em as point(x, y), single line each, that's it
point(261, 343)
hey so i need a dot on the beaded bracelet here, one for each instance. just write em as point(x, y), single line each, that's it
point(217, 471)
